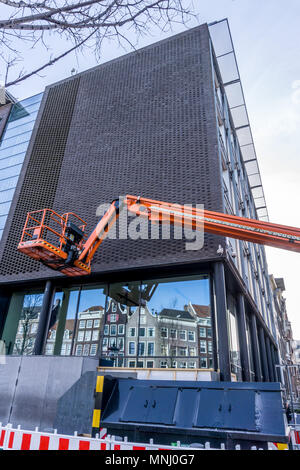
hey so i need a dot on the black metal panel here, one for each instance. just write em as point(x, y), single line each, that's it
point(143, 124)
point(241, 410)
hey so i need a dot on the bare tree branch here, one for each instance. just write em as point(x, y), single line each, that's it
point(84, 23)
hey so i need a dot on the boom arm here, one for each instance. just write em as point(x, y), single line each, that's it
point(82, 252)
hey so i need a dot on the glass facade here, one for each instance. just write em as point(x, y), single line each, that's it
point(151, 324)
point(13, 146)
point(239, 198)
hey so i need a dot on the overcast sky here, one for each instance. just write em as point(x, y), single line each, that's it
point(266, 36)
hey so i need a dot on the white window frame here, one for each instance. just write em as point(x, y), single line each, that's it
point(132, 328)
point(80, 336)
point(148, 343)
point(165, 329)
point(93, 347)
point(151, 328)
point(180, 332)
point(191, 333)
point(113, 328)
point(121, 329)
point(134, 348)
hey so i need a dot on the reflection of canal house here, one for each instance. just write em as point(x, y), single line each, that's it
point(114, 330)
point(141, 339)
point(204, 334)
point(88, 331)
point(177, 339)
point(66, 342)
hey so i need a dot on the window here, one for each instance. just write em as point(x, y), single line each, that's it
point(164, 332)
point(191, 336)
point(131, 363)
point(173, 351)
point(150, 350)
point(120, 344)
point(104, 344)
point(86, 349)
point(209, 334)
point(173, 333)
point(174, 364)
point(142, 332)
point(163, 364)
point(131, 348)
point(95, 335)
point(131, 332)
point(203, 347)
point(89, 323)
point(203, 363)
point(112, 342)
point(192, 365)
point(121, 329)
point(149, 364)
point(106, 329)
point(192, 351)
point(182, 365)
point(143, 320)
point(113, 317)
point(164, 350)
point(88, 335)
point(33, 328)
point(182, 352)
point(82, 324)
point(141, 349)
point(93, 350)
point(114, 309)
point(182, 335)
point(202, 332)
point(78, 351)
point(80, 335)
point(140, 364)
point(113, 330)
point(209, 347)
point(151, 332)
point(96, 323)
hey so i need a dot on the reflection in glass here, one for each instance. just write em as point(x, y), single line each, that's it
point(89, 321)
point(62, 323)
point(22, 321)
point(164, 332)
point(234, 339)
point(122, 303)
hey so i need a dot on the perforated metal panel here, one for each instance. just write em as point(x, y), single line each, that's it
point(143, 124)
point(40, 174)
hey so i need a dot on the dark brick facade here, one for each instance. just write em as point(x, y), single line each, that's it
point(143, 124)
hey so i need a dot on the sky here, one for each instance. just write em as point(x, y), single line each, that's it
point(266, 36)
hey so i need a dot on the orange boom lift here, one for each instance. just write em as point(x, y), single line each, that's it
point(60, 241)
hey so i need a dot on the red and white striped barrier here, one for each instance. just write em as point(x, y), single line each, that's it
point(20, 439)
point(295, 438)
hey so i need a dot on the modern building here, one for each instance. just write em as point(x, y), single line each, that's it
point(168, 123)
point(289, 369)
point(16, 123)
